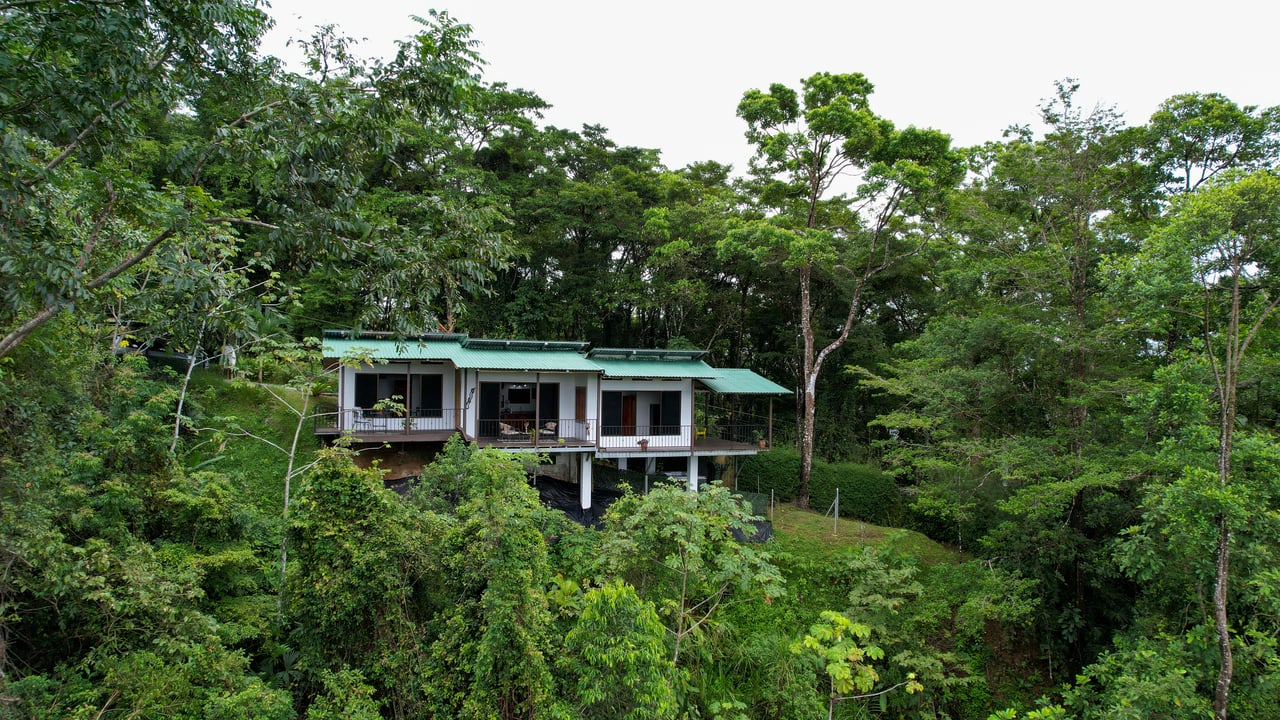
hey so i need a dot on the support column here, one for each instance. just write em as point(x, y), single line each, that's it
point(408, 396)
point(770, 430)
point(584, 480)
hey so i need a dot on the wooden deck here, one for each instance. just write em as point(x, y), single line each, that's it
point(701, 446)
point(381, 436)
point(542, 445)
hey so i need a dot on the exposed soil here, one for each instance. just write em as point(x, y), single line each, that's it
point(398, 461)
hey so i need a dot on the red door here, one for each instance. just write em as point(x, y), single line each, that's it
point(628, 414)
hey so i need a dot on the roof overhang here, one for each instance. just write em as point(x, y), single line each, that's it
point(740, 381)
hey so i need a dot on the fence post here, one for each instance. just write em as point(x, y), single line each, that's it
point(835, 518)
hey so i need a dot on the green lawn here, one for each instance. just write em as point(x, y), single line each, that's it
point(808, 533)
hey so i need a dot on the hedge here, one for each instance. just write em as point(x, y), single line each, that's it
point(777, 470)
point(865, 492)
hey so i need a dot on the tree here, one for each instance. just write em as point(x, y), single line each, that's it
point(1011, 415)
point(1216, 261)
point(490, 658)
point(190, 136)
point(678, 547)
point(1194, 137)
point(356, 586)
point(84, 81)
point(840, 647)
point(616, 654)
point(803, 147)
point(127, 579)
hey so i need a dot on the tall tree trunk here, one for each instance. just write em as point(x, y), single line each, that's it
point(808, 392)
point(1227, 380)
point(186, 382)
point(813, 362)
point(288, 478)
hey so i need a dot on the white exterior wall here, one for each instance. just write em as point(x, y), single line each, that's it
point(347, 394)
point(648, 392)
point(569, 382)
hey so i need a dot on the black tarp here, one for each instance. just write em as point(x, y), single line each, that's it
point(563, 496)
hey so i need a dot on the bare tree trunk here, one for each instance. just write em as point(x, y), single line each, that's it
point(808, 391)
point(186, 382)
point(1222, 688)
point(1227, 377)
point(813, 363)
point(288, 477)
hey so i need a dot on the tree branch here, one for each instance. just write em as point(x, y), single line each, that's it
point(238, 122)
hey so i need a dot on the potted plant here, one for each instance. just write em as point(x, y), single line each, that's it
point(644, 444)
point(760, 439)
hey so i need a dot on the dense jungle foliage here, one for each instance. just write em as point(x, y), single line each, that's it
point(1054, 355)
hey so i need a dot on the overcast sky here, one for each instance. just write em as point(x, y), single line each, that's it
point(668, 74)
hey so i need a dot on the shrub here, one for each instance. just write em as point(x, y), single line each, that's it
point(865, 492)
point(777, 470)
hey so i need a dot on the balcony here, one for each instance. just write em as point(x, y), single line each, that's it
point(417, 425)
point(619, 440)
point(542, 434)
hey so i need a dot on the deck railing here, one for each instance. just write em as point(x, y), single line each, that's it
point(547, 433)
point(752, 434)
point(360, 420)
point(544, 432)
point(646, 437)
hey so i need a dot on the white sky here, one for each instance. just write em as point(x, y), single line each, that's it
point(668, 74)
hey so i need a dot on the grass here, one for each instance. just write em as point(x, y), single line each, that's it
point(808, 533)
point(255, 466)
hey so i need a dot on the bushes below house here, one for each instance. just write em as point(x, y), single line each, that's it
point(865, 492)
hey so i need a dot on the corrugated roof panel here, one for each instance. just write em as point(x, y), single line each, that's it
point(540, 345)
point(740, 381)
point(533, 360)
point(667, 369)
point(537, 356)
point(644, 354)
point(390, 349)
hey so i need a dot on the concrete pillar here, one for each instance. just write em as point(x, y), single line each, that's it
point(584, 481)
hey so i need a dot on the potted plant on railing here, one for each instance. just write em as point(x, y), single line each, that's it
point(758, 436)
point(644, 444)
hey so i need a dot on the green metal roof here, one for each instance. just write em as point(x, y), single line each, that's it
point(644, 354)
point(390, 349)
point(667, 369)
point(546, 356)
point(479, 344)
point(471, 358)
point(740, 381)
point(470, 355)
